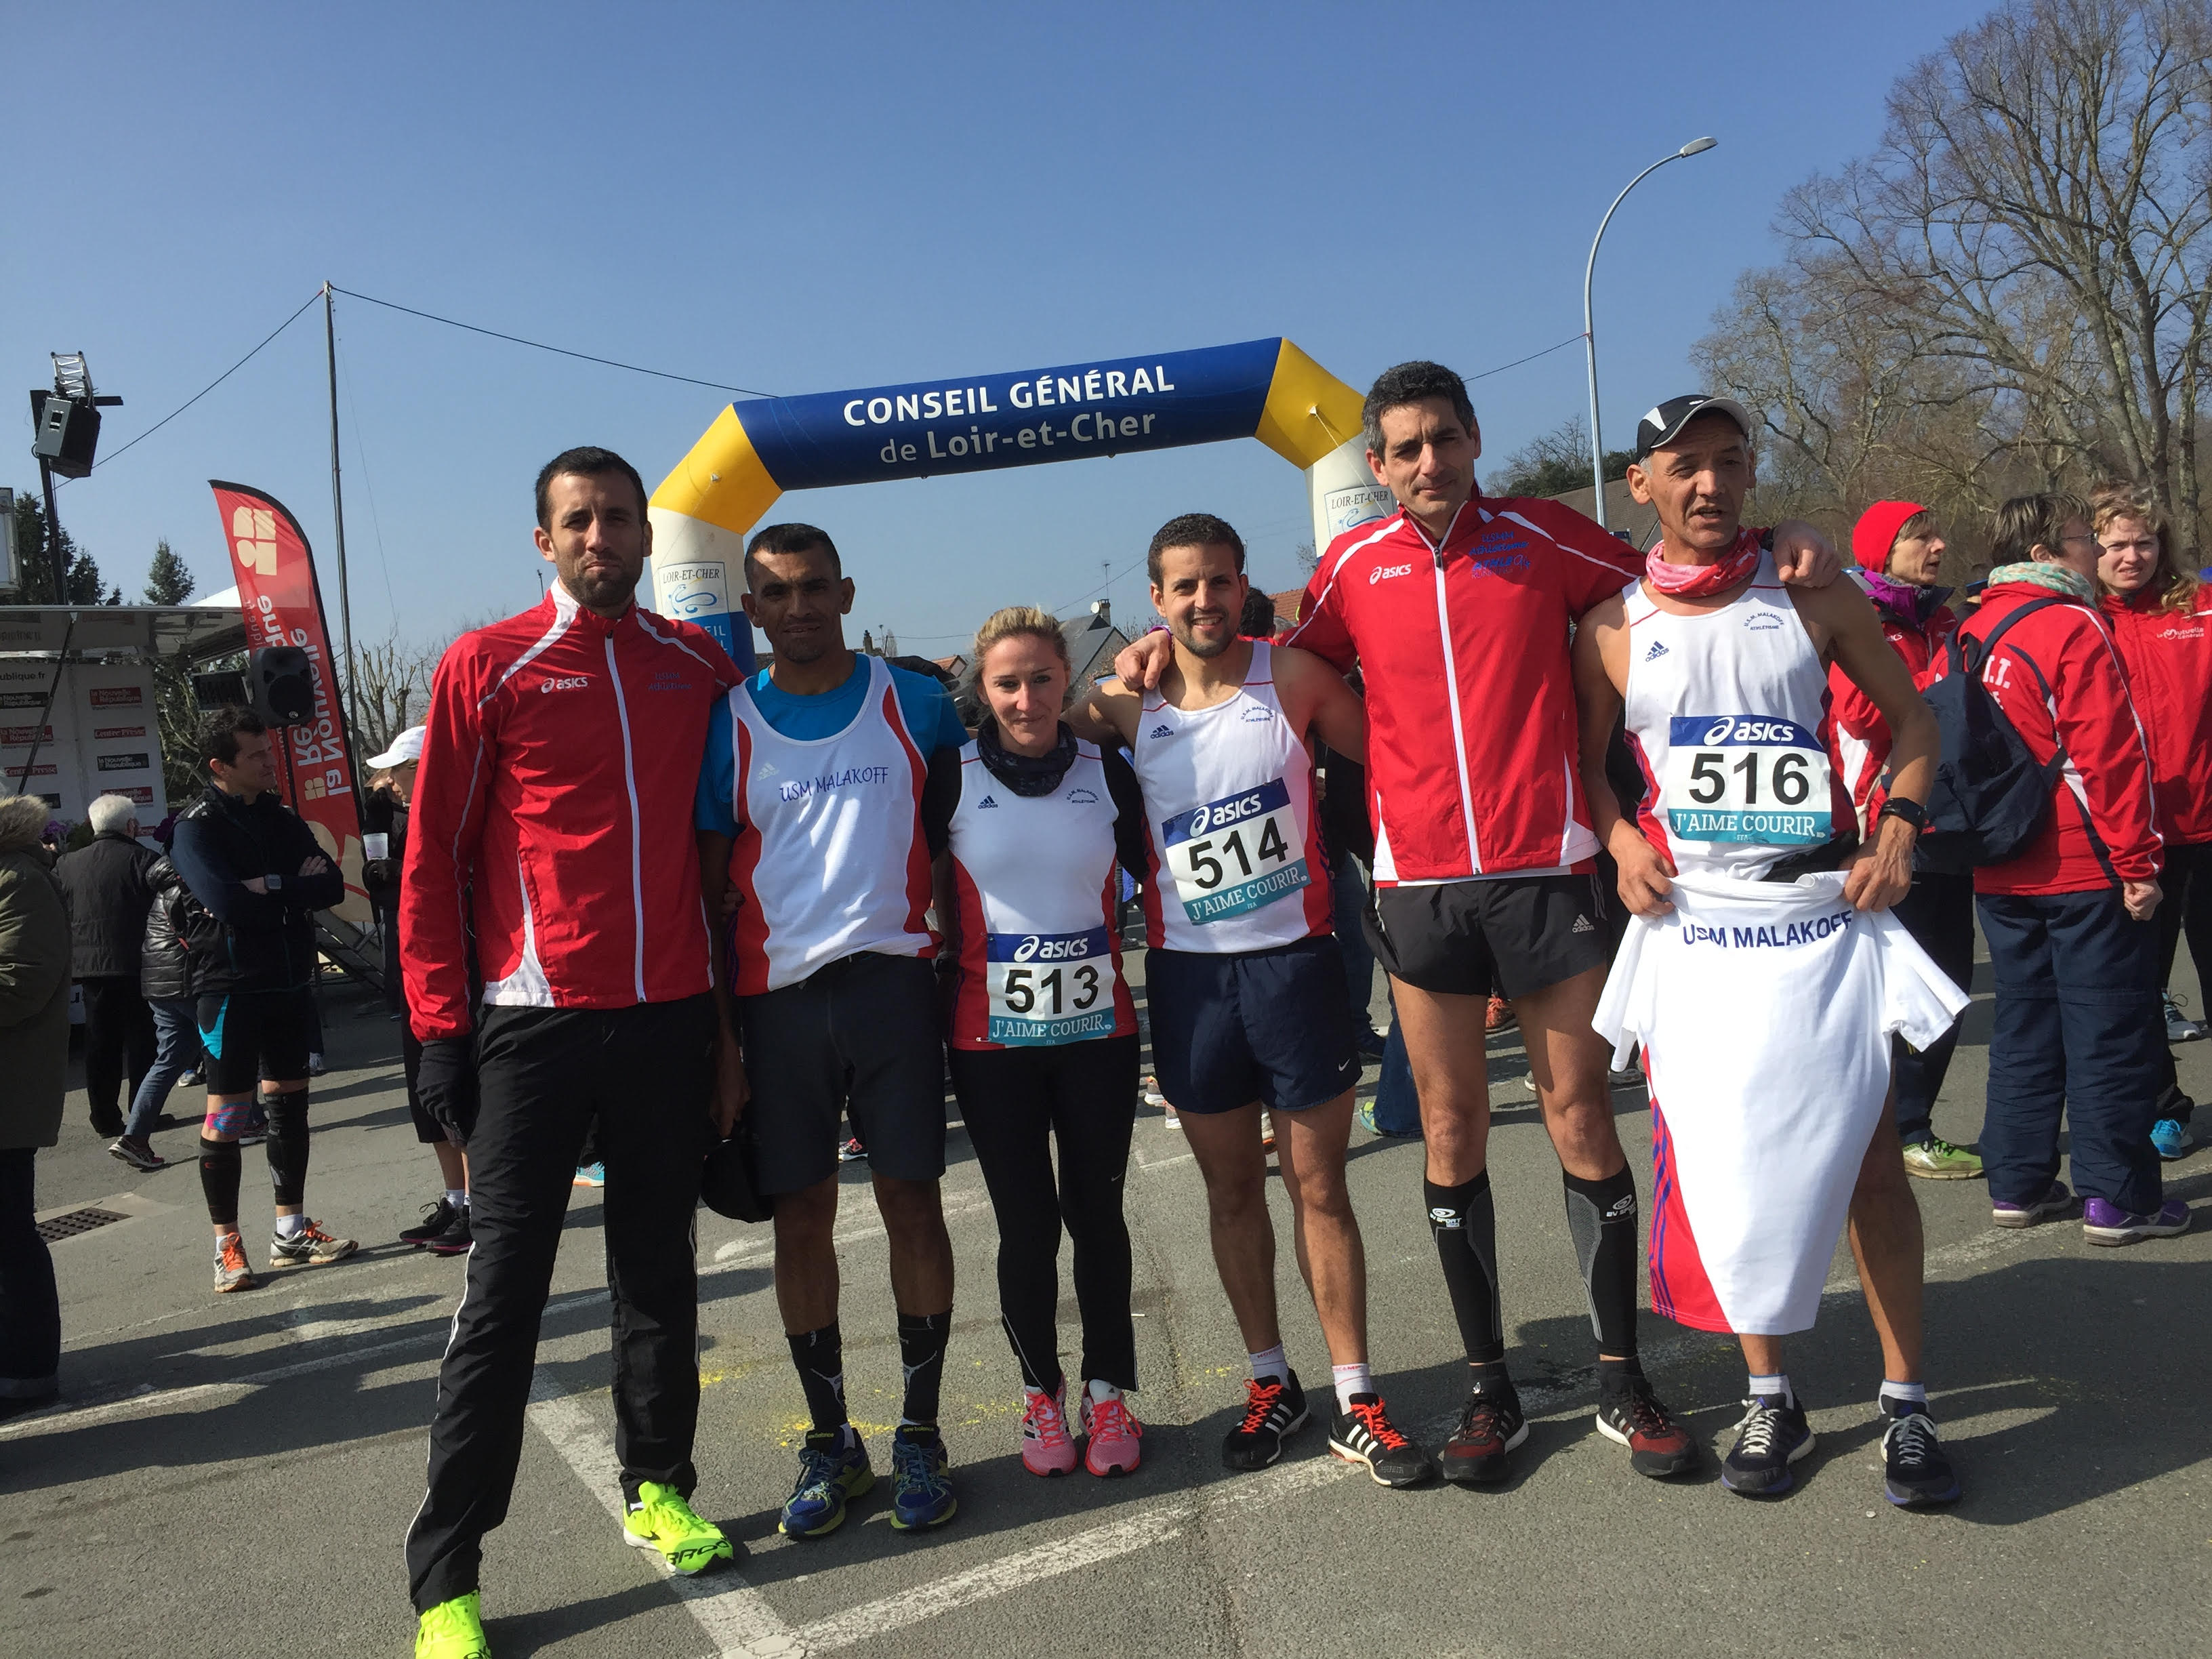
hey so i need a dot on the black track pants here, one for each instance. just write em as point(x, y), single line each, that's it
point(1016, 1104)
point(642, 1075)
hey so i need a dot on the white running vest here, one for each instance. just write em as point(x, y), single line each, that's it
point(1235, 850)
point(1728, 711)
point(1033, 878)
point(1765, 1010)
point(830, 853)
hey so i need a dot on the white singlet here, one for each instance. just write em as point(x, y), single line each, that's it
point(1236, 862)
point(1765, 1010)
point(1727, 712)
point(1033, 878)
point(830, 853)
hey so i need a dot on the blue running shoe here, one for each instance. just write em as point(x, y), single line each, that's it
point(590, 1174)
point(2170, 1138)
point(1772, 1436)
point(833, 1470)
point(921, 1496)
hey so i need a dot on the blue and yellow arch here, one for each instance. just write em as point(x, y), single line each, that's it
point(759, 448)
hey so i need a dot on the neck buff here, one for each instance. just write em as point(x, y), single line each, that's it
point(1025, 775)
point(1916, 604)
point(2055, 577)
point(1700, 582)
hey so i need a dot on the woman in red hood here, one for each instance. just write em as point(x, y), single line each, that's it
point(1900, 553)
point(2161, 620)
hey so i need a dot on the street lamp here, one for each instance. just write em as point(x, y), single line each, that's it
point(1695, 147)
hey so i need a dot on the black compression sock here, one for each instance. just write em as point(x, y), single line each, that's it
point(922, 1338)
point(820, 1357)
point(1602, 1217)
point(1464, 1224)
point(288, 1145)
point(1616, 1377)
point(219, 1167)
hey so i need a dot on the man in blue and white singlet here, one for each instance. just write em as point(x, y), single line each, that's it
point(1243, 980)
point(829, 783)
point(1762, 975)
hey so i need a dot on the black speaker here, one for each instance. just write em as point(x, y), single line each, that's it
point(69, 432)
point(281, 685)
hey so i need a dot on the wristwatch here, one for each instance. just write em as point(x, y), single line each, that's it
point(1911, 812)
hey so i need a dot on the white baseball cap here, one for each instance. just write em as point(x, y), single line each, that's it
point(407, 746)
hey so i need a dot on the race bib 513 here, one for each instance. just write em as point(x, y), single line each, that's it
point(1745, 778)
point(1232, 855)
point(1049, 987)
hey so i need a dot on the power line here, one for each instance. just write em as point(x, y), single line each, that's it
point(585, 356)
point(209, 387)
point(1571, 340)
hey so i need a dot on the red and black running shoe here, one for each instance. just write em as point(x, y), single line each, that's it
point(1657, 1445)
point(1274, 1409)
point(1364, 1435)
point(1490, 1426)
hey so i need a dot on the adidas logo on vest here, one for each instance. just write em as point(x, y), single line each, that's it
point(1161, 732)
point(1582, 925)
point(1658, 650)
point(986, 801)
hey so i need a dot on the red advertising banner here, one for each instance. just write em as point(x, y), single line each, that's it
point(283, 605)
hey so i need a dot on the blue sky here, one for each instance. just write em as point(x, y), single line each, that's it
point(805, 198)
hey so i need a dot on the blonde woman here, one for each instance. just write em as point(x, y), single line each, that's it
point(1044, 1039)
point(2161, 620)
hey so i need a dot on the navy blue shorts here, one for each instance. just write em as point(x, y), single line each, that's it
point(1264, 1026)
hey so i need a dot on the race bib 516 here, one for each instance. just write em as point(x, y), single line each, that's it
point(1235, 854)
point(1049, 987)
point(1745, 778)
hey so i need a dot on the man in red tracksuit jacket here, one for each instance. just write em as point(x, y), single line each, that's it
point(2068, 921)
point(554, 805)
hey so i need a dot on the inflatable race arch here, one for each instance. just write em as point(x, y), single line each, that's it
point(758, 448)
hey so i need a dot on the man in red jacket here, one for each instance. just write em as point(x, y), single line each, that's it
point(2161, 616)
point(554, 805)
point(1899, 554)
point(2069, 919)
point(1457, 608)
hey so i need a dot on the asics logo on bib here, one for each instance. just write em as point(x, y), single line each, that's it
point(571, 682)
point(1220, 814)
point(1064, 947)
point(1383, 571)
point(1734, 728)
point(1161, 732)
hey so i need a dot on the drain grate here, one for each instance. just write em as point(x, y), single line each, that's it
point(75, 1222)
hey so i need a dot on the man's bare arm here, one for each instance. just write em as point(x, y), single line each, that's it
point(1142, 661)
point(1802, 556)
point(1316, 699)
point(730, 1090)
point(1109, 715)
point(1600, 670)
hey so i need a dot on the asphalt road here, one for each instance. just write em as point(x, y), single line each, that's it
point(234, 1476)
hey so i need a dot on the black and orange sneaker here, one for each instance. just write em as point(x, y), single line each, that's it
point(1364, 1434)
point(1657, 1445)
point(1490, 1426)
point(1274, 1409)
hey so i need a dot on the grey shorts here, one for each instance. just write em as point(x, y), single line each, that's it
point(859, 1036)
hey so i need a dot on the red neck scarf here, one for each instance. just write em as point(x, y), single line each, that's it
point(1702, 581)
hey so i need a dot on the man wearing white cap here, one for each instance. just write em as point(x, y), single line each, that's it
point(444, 1230)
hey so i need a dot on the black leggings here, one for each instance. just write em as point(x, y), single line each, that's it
point(2186, 876)
point(1015, 1101)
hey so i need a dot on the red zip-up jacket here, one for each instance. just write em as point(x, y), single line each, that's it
point(1472, 740)
point(554, 800)
point(2169, 661)
point(1862, 737)
point(2059, 680)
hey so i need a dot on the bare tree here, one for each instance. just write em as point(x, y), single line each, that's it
point(391, 690)
point(2032, 239)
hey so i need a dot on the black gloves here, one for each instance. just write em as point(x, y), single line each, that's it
point(446, 1083)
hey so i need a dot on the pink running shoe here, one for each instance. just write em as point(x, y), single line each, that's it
point(1047, 1447)
point(1112, 1434)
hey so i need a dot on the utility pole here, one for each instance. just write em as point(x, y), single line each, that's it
point(337, 507)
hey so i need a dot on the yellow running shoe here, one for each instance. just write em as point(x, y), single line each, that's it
point(661, 1520)
point(452, 1630)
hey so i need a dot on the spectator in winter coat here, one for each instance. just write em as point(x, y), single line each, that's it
point(34, 986)
point(1899, 552)
point(105, 882)
point(165, 980)
point(2161, 614)
point(2069, 919)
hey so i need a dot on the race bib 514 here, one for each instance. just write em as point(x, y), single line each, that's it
point(1745, 778)
point(1235, 854)
point(1049, 987)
